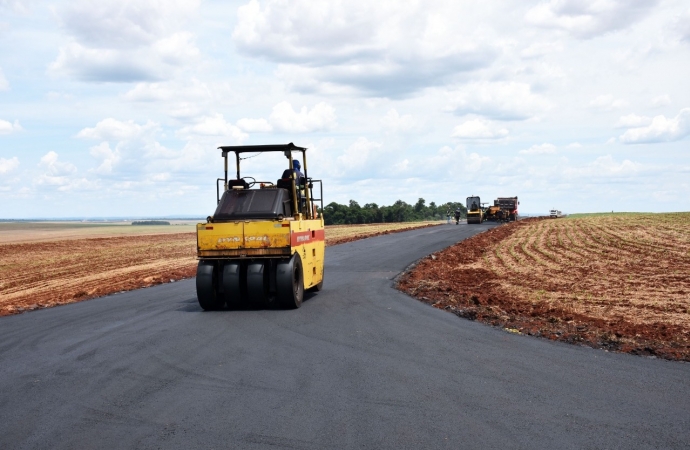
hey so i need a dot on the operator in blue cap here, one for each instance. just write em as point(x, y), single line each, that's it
point(299, 181)
point(298, 175)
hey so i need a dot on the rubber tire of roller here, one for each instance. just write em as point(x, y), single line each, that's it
point(290, 282)
point(206, 293)
point(233, 284)
point(257, 284)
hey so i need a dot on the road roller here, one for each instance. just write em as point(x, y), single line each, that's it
point(475, 213)
point(264, 245)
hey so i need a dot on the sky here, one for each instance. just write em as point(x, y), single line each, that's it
point(116, 108)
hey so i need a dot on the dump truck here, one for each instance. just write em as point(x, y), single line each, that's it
point(509, 206)
point(265, 243)
point(475, 213)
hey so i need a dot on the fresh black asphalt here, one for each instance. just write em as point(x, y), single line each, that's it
point(358, 366)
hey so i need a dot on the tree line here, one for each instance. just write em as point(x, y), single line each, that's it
point(400, 211)
point(150, 222)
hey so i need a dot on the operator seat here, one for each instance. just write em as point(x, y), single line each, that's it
point(240, 182)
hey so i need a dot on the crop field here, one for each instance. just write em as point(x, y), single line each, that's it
point(48, 264)
point(615, 281)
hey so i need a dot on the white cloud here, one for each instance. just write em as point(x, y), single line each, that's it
point(660, 100)
point(9, 127)
point(254, 125)
point(660, 129)
point(357, 157)
point(128, 24)
point(115, 130)
point(55, 167)
point(479, 129)
point(394, 122)
point(284, 118)
point(539, 49)
point(4, 84)
point(449, 162)
point(633, 120)
point(108, 157)
point(401, 166)
point(17, 6)
point(320, 117)
point(57, 96)
point(186, 99)
point(115, 65)
point(378, 48)
point(216, 126)
point(607, 102)
point(588, 19)
point(683, 26)
point(8, 165)
point(497, 100)
point(61, 175)
point(170, 91)
point(541, 149)
point(604, 167)
point(124, 42)
point(177, 49)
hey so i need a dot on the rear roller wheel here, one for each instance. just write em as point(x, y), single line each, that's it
point(290, 282)
point(258, 280)
point(206, 291)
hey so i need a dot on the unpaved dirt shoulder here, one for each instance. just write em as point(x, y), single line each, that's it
point(464, 280)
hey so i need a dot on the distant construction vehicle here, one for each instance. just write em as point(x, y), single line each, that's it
point(265, 243)
point(494, 213)
point(555, 214)
point(509, 208)
point(475, 213)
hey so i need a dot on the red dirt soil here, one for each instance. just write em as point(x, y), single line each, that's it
point(467, 280)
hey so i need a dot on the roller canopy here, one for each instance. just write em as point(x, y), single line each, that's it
point(261, 148)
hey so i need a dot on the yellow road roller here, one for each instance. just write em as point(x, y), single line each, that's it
point(265, 243)
point(475, 213)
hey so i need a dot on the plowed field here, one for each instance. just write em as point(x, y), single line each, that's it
point(619, 282)
point(73, 265)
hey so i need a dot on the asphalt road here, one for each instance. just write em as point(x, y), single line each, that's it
point(360, 365)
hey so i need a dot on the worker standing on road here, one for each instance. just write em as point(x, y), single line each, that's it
point(448, 216)
point(457, 216)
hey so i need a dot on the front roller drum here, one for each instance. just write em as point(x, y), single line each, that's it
point(206, 286)
point(290, 282)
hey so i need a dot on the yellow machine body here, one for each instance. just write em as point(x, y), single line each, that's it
point(266, 239)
